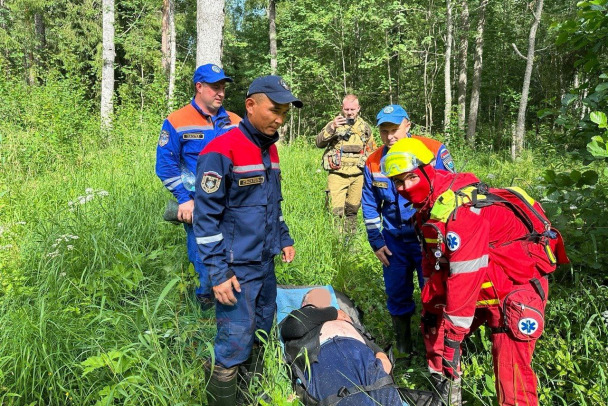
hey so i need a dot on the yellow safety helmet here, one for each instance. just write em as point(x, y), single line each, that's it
point(406, 155)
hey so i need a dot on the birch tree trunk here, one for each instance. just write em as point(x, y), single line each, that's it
point(209, 31)
point(164, 38)
point(107, 70)
point(477, 67)
point(520, 129)
point(463, 50)
point(447, 77)
point(272, 34)
point(172, 53)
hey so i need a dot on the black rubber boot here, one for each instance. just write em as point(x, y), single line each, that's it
point(221, 390)
point(254, 366)
point(403, 334)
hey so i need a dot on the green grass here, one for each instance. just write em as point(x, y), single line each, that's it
point(107, 318)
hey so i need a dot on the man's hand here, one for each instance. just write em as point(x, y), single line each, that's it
point(343, 316)
point(223, 292)
point(184, 212)
point(383, 253)
point(386, 364)
point(338, 121)
point(288, 253)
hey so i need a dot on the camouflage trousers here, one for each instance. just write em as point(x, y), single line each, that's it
point(345, 196)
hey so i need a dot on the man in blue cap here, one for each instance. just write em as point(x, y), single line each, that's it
point(388, 220)
point(183, 136)
point(239, 228)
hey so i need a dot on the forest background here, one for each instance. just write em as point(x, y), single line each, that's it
point(95, 304)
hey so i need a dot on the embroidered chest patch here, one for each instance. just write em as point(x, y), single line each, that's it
point(256, 180)
point(211, 181)
point(380, 184)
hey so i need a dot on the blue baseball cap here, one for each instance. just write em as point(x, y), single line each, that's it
point(275, 88)
point(393, 113)
point(210, 73)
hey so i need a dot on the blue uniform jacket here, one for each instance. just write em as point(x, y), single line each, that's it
point(237, 209)
point(183, 136)
point(383, 208)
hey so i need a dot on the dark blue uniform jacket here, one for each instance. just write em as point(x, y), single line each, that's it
point(237, 210)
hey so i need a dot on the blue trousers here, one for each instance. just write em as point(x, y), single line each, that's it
point(203, 276)
point(347, 362)
point(399, 275)
point(254, 310)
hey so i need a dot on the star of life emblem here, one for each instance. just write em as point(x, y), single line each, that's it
point(388, 109)
point(527, 326)
point(216, 69)
point(211, 181)
point(452, 240)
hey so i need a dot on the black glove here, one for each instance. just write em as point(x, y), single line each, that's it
point(429, 321)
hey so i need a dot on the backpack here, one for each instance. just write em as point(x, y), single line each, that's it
point(542, 244)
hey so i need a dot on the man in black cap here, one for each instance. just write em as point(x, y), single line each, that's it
point(183, 136)
point(239, 229)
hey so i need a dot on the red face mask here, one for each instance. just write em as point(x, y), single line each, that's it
point(421, 191)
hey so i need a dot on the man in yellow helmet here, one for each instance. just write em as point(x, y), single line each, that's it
point(477, 259)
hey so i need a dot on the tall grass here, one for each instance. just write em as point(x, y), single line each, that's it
point(95, 289)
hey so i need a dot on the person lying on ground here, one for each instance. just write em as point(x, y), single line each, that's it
point(343, 366)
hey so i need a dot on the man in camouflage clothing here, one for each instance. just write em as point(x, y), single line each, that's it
point(348, 141)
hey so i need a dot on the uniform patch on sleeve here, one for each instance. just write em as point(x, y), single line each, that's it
point(381, 185)
point(453, 241)
point(211, 181)
point(447, 160)
point(256, 180)
point(164, 138)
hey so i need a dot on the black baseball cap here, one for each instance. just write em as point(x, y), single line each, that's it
point(275, 88)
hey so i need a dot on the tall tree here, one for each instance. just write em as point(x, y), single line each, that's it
point(165, 37)
point(209, 31)
point(172, 52)
point(107, 70)
point(272, 34)
point(168, 47)
point(463, 49)
point(447, 77)
point(477, 67)
point(518, 134)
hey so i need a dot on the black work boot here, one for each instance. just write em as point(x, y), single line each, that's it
point(221, 390)
point(448, 391)
point(403, 335)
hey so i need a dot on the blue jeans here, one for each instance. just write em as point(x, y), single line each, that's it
point(348, 362)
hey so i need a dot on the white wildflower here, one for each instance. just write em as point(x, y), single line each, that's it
point(318, 170)
point(6, 247)
point(70, 247)
point(88, 190)
point(53, 254)
point(102, 193)
point(62, 274)
point(21, 223)
point(491, 176)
